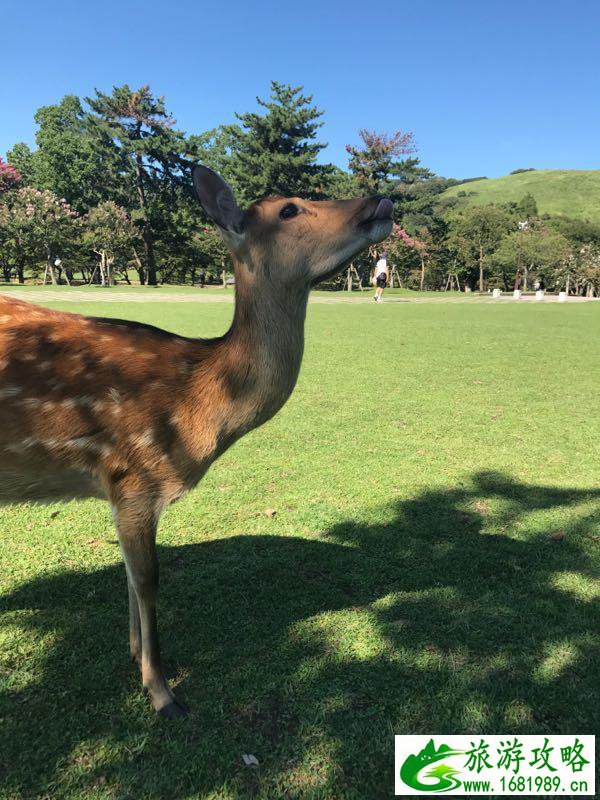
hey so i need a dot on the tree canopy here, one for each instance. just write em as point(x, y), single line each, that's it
point(275, 152)
point(107, 188)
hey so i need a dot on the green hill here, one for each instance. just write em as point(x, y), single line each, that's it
point(575, 193)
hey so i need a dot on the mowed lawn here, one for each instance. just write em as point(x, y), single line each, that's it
point(432, 567)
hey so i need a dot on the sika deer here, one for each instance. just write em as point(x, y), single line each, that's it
point(130, 413)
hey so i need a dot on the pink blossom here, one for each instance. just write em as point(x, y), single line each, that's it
point(9, 176)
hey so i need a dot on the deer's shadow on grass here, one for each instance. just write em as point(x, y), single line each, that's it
point(460, 626)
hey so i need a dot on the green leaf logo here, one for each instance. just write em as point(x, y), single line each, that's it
point(411, 771)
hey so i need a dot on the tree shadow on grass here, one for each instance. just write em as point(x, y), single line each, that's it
point(311, 653)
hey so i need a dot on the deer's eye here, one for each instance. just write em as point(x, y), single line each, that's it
point(289, 211)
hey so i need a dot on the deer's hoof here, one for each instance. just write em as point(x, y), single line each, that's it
point(174, 710)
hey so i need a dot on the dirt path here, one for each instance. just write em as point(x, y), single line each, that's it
point(156, 296)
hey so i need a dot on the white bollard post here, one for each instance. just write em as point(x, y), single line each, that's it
point(496, 293)
point(562, 297)
point(539, 295)
point(517, 294)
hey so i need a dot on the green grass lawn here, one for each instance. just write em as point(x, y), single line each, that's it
point(432, 567)
point(573, 192)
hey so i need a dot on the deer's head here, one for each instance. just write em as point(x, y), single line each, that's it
point(291, 242)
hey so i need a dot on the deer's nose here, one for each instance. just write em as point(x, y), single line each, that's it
point(384, 210)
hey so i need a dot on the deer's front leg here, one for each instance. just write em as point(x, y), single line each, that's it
point(135, 630)
point(137, 537)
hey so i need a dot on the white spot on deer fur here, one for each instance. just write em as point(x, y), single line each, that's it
point(28, 357)
point(10, 391)
point(29, 441)
point(52, 444)
point(68, 402)
point(3, 363)
point(5, 318)
point(44, 365)
point(32, 402)
point(114, 393)
point(142, 439)
point(84, 443)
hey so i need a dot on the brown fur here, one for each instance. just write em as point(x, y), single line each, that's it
point(131, 413)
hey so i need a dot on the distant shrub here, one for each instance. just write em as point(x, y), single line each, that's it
point(517, 171)
point(478, 178)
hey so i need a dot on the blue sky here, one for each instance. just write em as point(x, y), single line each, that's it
point(485, 86)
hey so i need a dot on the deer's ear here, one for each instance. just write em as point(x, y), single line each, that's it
point(217, 200)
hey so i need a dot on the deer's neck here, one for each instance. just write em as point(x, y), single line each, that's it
point(264, 347)
point(256, 364)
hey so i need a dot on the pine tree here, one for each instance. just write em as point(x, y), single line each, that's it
point(138, 129)
point(276, 152)
point(527, 207)
point(375, 165)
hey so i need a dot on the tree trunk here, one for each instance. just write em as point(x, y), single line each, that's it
point(481, 287)
point(147, 235)
point(21, 272)
point(567, 285)
point(51, 270)
point(150, 259)
point(102, 268)
point(422, 281)
point(110, 276)
point(140, 267)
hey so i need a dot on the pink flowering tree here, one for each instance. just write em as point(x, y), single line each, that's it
point(10, 178)
point(403, 248)
point(36, 227)
point(110, 233)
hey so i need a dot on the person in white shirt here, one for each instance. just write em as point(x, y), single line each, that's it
point(381, 276)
